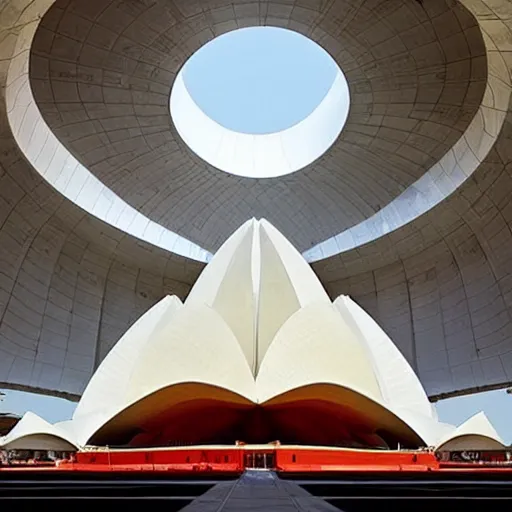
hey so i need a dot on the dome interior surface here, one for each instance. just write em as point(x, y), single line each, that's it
point(102, 75)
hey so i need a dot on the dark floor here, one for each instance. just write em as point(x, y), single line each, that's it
point(265, 491)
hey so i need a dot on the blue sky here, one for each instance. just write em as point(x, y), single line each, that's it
point(50, 408)
point(262, 81)
point(497, 405)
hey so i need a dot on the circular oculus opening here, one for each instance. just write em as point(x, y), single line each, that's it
point(260, 102)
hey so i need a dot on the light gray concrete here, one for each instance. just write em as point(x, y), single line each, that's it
point(258, 491)
point(102, 76)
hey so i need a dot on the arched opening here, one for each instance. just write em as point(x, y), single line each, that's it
point(472, 442)
point(199, 414)
point(260, 114)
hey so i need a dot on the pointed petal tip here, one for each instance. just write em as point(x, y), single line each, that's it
point(169, 299)
point(265, 223)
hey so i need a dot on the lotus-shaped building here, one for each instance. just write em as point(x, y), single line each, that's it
point(256, 353)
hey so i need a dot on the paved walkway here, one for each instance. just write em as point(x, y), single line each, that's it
point(258, 491)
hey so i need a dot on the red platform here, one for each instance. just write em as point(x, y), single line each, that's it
point(286, 459)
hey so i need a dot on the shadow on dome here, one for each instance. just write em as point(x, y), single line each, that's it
point(180, 414)
point(332, 415)
point(200, 414)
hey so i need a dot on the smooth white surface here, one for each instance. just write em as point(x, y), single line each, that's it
point(399, 384)
point(287, 284)
point(259, 324)
point(287, 323)
point(306, 285)
point(315, 346)
point(478, 426)
point(33, 432)
point(199, 347)
point(108, 384)
point(472, 442)
point(261, 156)
point(256, 281)
point(227, 286)
point(427, 427)
point(106, 392)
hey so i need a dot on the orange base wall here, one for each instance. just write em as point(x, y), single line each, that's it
point(286, 459)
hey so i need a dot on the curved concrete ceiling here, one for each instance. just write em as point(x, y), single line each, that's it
point(440, 285)
point(102, 75)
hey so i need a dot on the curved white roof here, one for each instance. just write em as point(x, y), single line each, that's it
point(476, 430)
point(257, 328)
point(33, 432)
point(105, 393)
point(314, 346)
point(226, 285)
point(198, 347)
point(398, 383)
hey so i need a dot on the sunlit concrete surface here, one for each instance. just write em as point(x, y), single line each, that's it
point(54, 162)
point(102, 76)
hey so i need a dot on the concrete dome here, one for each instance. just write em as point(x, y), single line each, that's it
point(102, 76)
point(419, 237)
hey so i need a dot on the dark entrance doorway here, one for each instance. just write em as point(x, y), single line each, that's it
point(259, 460)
